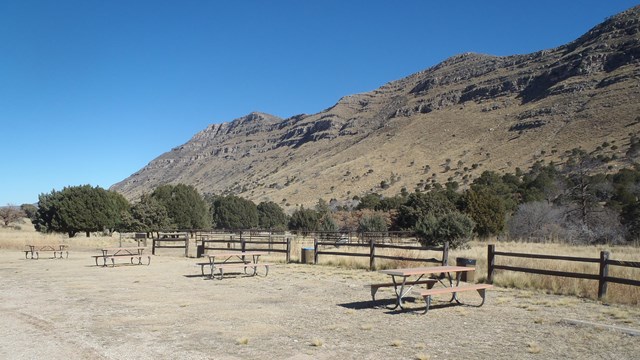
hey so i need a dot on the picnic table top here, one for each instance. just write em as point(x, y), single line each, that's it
point(44, 246)
point(236, 253)
point(426, 270)
point(114, 249)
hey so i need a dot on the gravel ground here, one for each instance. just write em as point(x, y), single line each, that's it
point(71, 309)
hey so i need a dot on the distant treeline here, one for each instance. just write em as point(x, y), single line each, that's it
point(576, 203)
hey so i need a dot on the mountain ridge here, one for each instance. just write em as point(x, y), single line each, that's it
point(470, 113)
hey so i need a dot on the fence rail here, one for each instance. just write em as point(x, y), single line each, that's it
point(603, 274)
point(204, 245)
point(372, 246)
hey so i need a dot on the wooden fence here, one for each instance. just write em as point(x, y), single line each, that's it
point(171, 241)
point(243, 240)
point(603, 274)
point(372, 246)
point(238, 240)
point(362, 237)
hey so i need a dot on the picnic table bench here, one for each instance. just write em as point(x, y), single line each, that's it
point(402, 287)
point(33, 251)
point(113, 253)
point(454, 290)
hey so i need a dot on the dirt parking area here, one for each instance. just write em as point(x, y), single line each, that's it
point(72, 309)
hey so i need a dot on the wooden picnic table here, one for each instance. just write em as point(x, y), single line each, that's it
point(220, 261)
point(34, 251)
point(135, 252)
point(402, 287)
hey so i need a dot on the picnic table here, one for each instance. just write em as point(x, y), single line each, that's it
point(33, 251)
point(124, 252)
point(233, 260)
point(404, 280)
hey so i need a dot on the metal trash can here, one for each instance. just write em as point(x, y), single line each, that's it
point(307, 256)
point(200, 251)
point(466, 276)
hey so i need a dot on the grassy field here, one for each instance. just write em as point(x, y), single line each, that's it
point(17, 239)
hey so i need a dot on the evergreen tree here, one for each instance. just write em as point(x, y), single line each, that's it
point(487, 211)
point(454, 227)
point(80, 209)
point(185, 206)
point(369, 201)
point(419, 205)
point(149, 215)
point(304, 219)
point(372, 223)
point(271, 216)
point(233, 212)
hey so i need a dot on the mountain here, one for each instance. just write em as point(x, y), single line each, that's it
point(470, 113)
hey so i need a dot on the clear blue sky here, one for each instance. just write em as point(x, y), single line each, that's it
point(92, 90)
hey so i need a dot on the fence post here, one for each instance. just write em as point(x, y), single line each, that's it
point(490, 262)
point(288, 250)
point(153, 246)
point(445, 254)
point(186, 244)
point(315, 250)
point(243, 245)
point(372, 253)
point(604, 272)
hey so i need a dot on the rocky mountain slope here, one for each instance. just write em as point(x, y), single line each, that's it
point(470, 113)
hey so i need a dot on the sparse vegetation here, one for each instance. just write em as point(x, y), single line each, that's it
point(317, 342)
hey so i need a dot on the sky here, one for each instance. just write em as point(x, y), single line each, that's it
point(91, 91)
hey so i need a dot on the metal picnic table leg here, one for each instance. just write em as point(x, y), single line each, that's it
point(402, 292)
point(454, 296)
point(398, 294)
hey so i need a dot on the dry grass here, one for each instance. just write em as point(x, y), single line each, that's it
point(533, 348)
point(317, 342)
point(397, 343)
point(17, 239)
point(561, 285)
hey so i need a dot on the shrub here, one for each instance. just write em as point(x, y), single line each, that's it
point(372, 223)
point(185, 206)
point(536, 221)
point(454, 227)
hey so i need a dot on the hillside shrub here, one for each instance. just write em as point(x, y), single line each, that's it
point(453, 227)
point(304, 219)
point(372, 223)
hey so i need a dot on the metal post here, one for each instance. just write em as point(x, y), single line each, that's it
point(604, 273)
point(490, 262)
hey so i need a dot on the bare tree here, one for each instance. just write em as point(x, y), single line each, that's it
point(536, 221)
point(10, 214)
